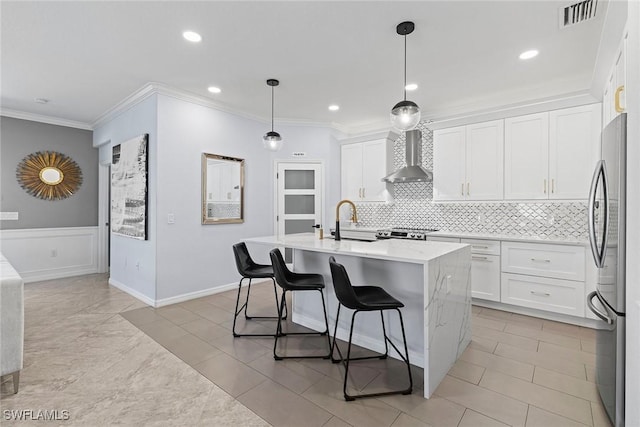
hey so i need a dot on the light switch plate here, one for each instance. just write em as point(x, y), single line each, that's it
point(171, 219)
point(8, 216)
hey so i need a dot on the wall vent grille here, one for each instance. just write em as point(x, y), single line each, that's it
point(577, 13)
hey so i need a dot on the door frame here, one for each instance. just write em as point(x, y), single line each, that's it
point(104, 206)
point(276, 167)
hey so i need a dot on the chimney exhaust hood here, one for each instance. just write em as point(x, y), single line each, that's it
point(413, 172)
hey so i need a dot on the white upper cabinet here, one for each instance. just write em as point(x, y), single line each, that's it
point(468, 162)
point(526, 153)
point(574, 142)
point(551, 155)
point(449, 163)
point(485, 153)
point(363, 165)
point(613, 97)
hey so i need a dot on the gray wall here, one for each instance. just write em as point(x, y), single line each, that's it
point(19, 138)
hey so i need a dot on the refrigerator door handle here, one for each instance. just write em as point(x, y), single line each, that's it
point(598, 255)
point(595, 311)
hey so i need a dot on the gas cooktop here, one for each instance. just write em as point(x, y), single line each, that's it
point(405, 233)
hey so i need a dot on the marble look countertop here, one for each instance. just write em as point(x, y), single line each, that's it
point(513, 238)
point(414, 251)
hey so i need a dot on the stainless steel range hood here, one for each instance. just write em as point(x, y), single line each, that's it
point(413, 172)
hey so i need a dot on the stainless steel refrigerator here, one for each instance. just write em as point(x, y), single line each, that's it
point(607, 228)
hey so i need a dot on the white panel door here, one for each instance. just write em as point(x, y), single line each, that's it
point(374, 167)
point(485, 161)
point(351, 171)
point(485, 277)
point(449, 164)
point(526, 152)
point(299, 197)
point(574, 147)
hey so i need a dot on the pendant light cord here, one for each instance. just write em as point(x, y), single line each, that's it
point(405, 67)
point(272, 108)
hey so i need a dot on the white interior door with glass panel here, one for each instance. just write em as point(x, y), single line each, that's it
point(299, 194)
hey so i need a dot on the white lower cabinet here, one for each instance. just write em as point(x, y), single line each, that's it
point(541, 276)
point(485, 266)
point(544, 293)
point(544, 277)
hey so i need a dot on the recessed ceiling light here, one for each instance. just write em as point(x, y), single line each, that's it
point(192, 36)
point(41, 100)
point(529, 54)
point(334, 107)
point(411, 86)
point(214, 89)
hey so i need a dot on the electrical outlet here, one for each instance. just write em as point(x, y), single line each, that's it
point(138, 265)
point(171, 218)
point(54, 253)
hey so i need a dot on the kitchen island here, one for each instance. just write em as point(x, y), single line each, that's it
point(432, 279)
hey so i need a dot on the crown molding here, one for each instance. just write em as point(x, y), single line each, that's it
point(463, 116)
point(153, 88)
point(15, 114)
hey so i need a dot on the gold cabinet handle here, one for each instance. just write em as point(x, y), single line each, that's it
point(553, 185)
point(467, 188)
point(545, 186)
point(360, 193)
point(462, 189)
point(619, 108)
point(364, 189)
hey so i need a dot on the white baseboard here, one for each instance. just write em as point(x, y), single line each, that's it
point(51, 253)
point(416, 359)
point(124, 288)
point(193, 295)
point(176, 299)
point(557, 317)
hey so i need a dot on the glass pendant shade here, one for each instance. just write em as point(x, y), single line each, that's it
point(272, 141)
point(405, 115)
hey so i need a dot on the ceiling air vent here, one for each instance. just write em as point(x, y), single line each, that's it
point(577, 13)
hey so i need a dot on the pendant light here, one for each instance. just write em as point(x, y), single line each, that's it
point(405, 115)
point(272, 140)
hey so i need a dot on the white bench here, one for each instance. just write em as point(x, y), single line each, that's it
point(11, 321)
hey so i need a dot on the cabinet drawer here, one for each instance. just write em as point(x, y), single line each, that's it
point(489, 247)
point(443, 239)
point(559, 296)
point(485, 277)
point(557, 261)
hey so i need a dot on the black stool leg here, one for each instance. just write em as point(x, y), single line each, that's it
point(347, 397)
point(279, 332)
point(404, 357)
point(406, 352)
point(335, 332)
point(245, 307)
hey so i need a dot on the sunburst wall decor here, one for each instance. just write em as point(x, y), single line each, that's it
point(49, 175)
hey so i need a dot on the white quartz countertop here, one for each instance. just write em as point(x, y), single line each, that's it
point(512, 238)
point(414, 251)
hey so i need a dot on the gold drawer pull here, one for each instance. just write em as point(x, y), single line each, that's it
point(480, 247)
point(480, 258)
point(540, 260)
point(619, 108)
point(540, 294)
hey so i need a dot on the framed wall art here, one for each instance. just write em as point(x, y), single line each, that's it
point(129, 175)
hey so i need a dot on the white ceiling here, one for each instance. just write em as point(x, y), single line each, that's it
point(86, 57)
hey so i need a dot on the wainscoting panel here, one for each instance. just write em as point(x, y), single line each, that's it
point(51, 253)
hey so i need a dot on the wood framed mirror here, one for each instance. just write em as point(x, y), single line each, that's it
point(222, 189)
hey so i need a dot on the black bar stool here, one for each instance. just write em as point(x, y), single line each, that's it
point(248, 269)
point(293, 282)
point(365, 298)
